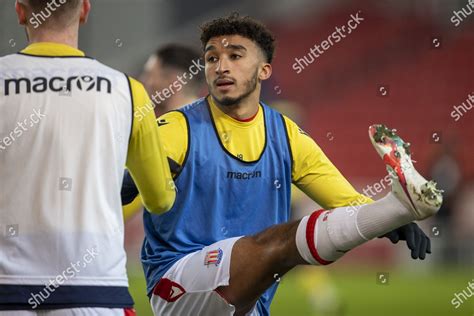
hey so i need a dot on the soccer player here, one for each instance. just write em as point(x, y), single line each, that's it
point(226, 241)
point(67, 130)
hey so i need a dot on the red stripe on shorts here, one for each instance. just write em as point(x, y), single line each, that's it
point(129, 312)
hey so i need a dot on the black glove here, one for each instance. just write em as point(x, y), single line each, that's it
point(417, 241)
point(129, 189)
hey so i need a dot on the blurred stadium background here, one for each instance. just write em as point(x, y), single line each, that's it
point(406, 65)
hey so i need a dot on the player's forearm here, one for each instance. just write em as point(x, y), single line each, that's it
point(148, 166)
point(132, 208)
point(152, 177)
point(316, 175)
point(146, 160)
point(331, 190)
point(320, 180)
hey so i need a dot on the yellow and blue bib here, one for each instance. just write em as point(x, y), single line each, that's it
point(220, 196)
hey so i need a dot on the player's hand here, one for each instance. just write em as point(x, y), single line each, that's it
point(129, 190)
point(417, 241)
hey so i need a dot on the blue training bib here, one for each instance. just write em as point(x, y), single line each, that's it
point(220, 196)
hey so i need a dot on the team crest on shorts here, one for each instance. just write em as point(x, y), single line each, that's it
point(325, 218)
point(213, 257)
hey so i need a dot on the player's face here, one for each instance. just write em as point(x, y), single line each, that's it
point(151, 75)
point(155, 77)
point(234, 69)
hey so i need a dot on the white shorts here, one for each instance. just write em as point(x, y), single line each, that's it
point(87, 311)
point(188, 287)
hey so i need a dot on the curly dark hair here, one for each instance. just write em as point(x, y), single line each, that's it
point(245, 26)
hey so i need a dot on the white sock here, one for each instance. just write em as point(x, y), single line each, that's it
point(324, 236)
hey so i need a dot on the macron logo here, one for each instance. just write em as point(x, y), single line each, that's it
point(57, 84)
point(243, 175)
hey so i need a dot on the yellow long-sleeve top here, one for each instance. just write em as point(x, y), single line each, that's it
point(312, 172)
point(146, 159)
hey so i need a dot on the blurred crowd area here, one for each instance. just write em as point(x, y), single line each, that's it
point(406, 66)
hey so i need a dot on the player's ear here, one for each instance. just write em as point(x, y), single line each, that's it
point(86, 8)
point(20, 12)
point(265, 71)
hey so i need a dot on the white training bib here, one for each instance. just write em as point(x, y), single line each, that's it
point(65, 124)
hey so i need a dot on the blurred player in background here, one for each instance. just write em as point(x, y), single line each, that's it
point(173, 65)
point(227, 239)
point(67, 130)
point(170, 66)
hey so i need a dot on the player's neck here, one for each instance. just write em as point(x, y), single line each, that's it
point(67, 37)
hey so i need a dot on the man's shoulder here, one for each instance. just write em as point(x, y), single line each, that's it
point(270, 110)
point(14, 59)
point(5, 57)
point(197, 105)
point(171, 117)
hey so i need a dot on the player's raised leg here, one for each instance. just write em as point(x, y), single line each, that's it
point(324, 236)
